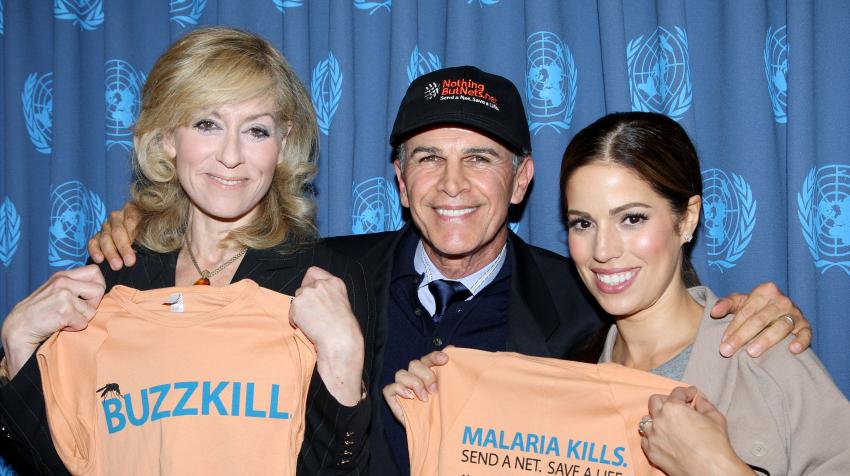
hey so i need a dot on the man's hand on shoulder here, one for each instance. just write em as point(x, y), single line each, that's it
point(114, 241)
point(762, 319)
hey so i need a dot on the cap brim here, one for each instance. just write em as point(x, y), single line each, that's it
point(483, 126)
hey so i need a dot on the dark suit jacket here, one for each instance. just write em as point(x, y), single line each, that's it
point(549, 311)
point(335, 436)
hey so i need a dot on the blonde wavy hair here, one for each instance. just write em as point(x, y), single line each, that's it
point(207, 68)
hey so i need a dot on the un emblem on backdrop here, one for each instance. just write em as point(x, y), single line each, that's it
point(376, 206)
point(823, 207)
point(776, 69)
point(326, 89)
point(6, 469)
point(729, 217)
point(660, 73)
point(282, 5)
point(1, 17)
point(123, 93)
point(421, 64)
point(186, 12)
point(75, 215)
point(37, 99)
point(88, 14)
point(551, 82)
point(372, 6)
point(10, 232)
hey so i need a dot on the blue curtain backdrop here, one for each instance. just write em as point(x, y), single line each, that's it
point(761, 86)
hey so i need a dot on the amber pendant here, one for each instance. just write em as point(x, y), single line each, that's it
point(202, 282)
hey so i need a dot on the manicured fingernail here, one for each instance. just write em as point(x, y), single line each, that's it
point(409, 394)
point(726, 350)
point(796, 347)
point(432, 388)
point(754, 350)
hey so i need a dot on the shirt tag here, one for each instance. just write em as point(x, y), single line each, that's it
point(176, 302)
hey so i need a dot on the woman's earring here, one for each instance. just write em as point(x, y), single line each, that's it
point(688, 238)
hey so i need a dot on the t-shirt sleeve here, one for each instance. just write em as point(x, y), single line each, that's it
point(69, 374)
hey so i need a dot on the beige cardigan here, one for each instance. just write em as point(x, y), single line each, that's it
point(785, 414)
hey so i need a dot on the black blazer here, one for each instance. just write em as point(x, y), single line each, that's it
point(550, 313)
point(335, 435)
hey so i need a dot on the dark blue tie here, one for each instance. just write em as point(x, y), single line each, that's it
point(445, 294)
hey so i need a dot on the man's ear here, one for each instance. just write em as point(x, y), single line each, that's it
point(691, 218)
point(402, 187)
point(522, 179)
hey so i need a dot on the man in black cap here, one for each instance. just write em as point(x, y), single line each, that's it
point(457, 275)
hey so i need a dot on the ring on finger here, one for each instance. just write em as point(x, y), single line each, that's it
point(644, 422)
point(787, 318)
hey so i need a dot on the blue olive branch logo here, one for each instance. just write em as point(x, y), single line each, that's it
point(185, 12)
point(282, 5)
point(743, 235)
point(823, 208)
point(551, 82)
point(375, 206)
point(123, 92)
point(420, 64)
point(10, 231)
point(75, 216)
point(37, 99)
point(776, 71)
point(659, 73)
point(87, 14)
point(326, 88)
point(372, 6)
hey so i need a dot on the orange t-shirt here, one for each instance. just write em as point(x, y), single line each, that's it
point(183, 380)
point(505, 413)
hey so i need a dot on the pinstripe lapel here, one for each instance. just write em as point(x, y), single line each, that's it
point(268, 267)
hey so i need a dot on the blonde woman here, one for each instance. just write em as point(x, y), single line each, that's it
point(225, 149)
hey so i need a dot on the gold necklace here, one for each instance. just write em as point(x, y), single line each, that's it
point(206, 274)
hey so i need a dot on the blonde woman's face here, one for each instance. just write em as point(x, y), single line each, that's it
point(226, 158)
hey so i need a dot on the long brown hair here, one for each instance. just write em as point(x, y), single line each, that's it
point(651, 145)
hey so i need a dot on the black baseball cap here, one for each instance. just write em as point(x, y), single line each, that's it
point(465, 96)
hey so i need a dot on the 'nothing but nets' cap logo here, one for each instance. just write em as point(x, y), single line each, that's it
point(461, 89)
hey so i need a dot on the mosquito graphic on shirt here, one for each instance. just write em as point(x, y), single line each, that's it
point(109, 390)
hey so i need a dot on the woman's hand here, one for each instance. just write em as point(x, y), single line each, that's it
point(67, 301)
point(321, 310)
point(419, 380)
point(687, 435)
